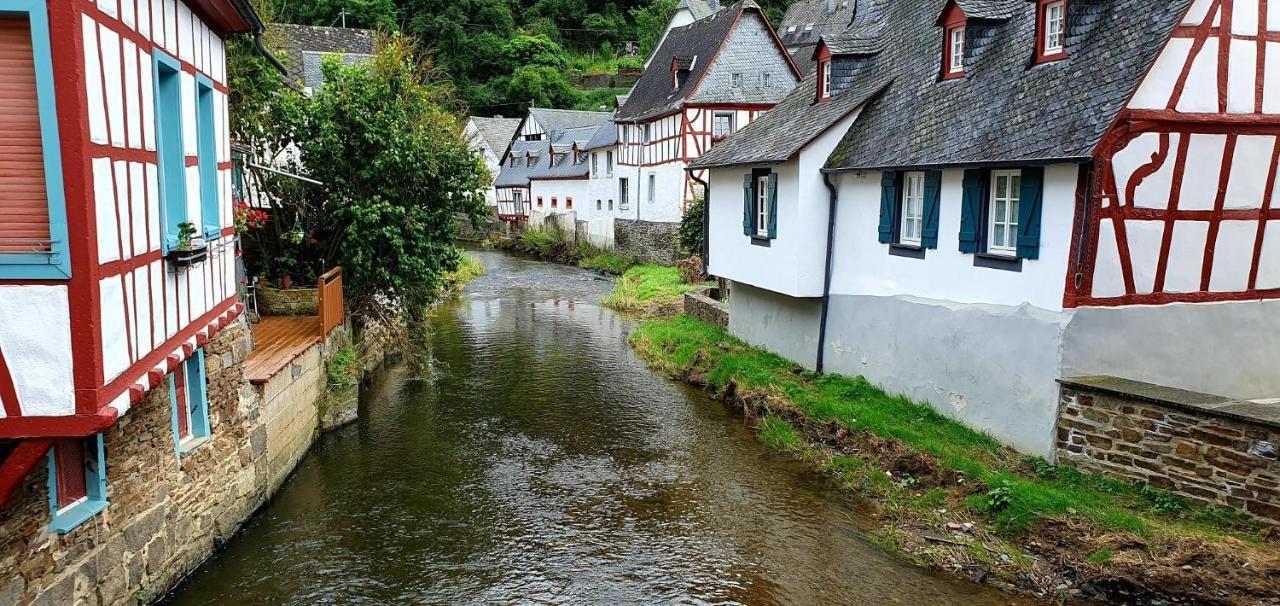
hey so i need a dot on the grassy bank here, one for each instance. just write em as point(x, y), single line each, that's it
point(469, 269)
point(955, 499)
point(549, 245)
point(654, 290)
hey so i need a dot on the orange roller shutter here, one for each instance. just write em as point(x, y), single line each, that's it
point(24, 211)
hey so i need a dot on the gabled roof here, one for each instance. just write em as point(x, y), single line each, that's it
point(807, 20)
point(552, 158)
point(653, 94)
point(518, 175)
point(605, 136)
point(700, 9)
point(301, 41)
point(1004, 109)
point(496, 133)
point(558, 120)
point(990, 9)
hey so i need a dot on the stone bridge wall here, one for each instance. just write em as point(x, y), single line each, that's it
point(1208, 449)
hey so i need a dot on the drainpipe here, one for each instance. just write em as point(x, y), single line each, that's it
point(833, 198)
point(246, 10)
point(706, 220)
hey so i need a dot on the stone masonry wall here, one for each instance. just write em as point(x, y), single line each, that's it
point(647, 241)
point(291, 302)
point(1207, 449)
point(290, 419)
point(700, 304)
point(165, 515)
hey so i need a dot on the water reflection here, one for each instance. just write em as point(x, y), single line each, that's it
point(541, 462)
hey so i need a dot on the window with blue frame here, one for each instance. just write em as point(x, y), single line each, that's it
point(33, 214)
point(77, 481)
point(207, 151)
point(173, 187)
point(188, 392)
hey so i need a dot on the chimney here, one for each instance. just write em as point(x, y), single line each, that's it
point(831, 7)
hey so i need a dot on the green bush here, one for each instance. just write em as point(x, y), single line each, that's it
point(343, 367)
point(691, 235)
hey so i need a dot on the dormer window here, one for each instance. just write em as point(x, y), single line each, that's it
point(680, 70)
point(823, 56)
point(955, 28)
point(1051, 30)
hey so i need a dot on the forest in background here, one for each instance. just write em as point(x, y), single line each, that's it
point(503, 54)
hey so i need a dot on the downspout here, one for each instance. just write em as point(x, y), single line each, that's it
point(250, 15)
point(832, 199)
point(262, 48)
point(706, 219)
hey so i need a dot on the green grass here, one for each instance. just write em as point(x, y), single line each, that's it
point(342, 367)
point(647, 287)
point(607, 262)
point(592, 99)
point(469, 269)
point(777, 433)
point(1099, 556)
point(541, 240)
point(1014, 492)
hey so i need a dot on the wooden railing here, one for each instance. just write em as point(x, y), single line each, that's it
point(332, 310)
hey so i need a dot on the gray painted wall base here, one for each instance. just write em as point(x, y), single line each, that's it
point(783, 325)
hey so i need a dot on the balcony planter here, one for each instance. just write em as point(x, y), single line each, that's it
point(187, 257)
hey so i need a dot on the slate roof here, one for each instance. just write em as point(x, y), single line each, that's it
point(808, 20)
point(558, 120)
point(518, 175)
point(653, 94)
point(700, 9)
point(990, 9)
point(605, 136)
point(305, 46)
point(1005, 109)
point(552, 158)
point(496, 133)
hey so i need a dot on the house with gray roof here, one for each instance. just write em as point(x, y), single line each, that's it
point(706, 80)
point(967, 201)
point(307, 46)
point(489, 138)
point(545, 164)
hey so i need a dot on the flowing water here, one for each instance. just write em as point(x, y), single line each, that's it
point(541, 462)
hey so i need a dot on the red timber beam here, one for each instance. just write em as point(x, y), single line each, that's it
point(19, 464)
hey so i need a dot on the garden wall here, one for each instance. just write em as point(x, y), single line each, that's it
point(1206, 448)
point(703, 305)
point(647, 241)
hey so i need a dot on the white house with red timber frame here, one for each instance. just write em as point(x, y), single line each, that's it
point(117, 240)
point(1024, 191)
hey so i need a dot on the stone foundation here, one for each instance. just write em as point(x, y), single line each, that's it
point(1206, 448)
point(702, 304)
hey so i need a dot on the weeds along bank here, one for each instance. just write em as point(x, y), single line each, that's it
point(955, 500)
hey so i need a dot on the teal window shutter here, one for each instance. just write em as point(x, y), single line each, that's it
point(207, 153)
point(932, 208)
point(971, 210)
point(173, 187)
point(773, 205)
point(1029, 204)
point(748, 206)
point(198, 395)
point(888, 202)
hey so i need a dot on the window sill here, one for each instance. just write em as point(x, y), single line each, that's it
point(190, 444)
point(761, 241)
point(997, 261)
point(910, 251)
point(68, 520)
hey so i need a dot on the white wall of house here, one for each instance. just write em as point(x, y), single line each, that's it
point(562, 190)
point(863, 266)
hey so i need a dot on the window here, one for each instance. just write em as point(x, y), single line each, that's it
point(539, 201)
point(517, 200)
point(764, 78)
point(608, 163)
point(652, 180)
point(647, 134)
point(825, 91)
point(624, 193)
point(736, 80)
point(554, 202)
point(77, 481)
point(955, 50)
point(1002, 223)
point(912, 208)
point(595, 165)
point(33, 224)
point(1051, 24)
point(188, 393)
point(762, 206)
point(610, 205)
point(721, 126)
point(568, 203)
point(173, 188)
point(599, 204)
point(207, 154)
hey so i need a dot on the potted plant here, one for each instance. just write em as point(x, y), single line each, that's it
point(190, 248)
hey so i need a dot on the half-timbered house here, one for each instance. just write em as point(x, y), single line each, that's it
point(705, 81)
point(548, 153)
point(489, 138)
point(1033, 190)
point(117, 270)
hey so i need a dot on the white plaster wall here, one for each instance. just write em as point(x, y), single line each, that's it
point(777, 267)
point(863, 266)
point(35, 337)
point(560, 189)
point(668, 199)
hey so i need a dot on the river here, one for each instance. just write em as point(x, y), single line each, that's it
point(541, 462)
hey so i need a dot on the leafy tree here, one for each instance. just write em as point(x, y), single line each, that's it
point(650, 22)
point(395, 170)
point(544, 86)
point(370, 14)
point(525, 49)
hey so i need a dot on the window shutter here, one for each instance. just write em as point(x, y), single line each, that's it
point(888, 200)
point(748, 213)
point(69, 469)
point(971, 211)
point(1029, 204)
point(773, 205)
point(932, 208)
point(24, 204)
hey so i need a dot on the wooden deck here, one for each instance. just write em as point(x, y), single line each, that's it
point(277, 341)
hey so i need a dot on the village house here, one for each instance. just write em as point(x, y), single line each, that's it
point(307, 46)
point(706, 80)
point(808, 21)
point(1015, 193)
point(687, 11)
point(489, 137)
point(124, 453)
point(545, 166)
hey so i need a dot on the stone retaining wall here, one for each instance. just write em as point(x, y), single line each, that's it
point(647, 241)
point(702, 304)
point(291, 302)
point(1206, 448)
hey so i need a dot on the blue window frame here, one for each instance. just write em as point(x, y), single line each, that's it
point(207, 150)
point(91, 453)
point(52, 259)
point(188, 394)
point(172, 160)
